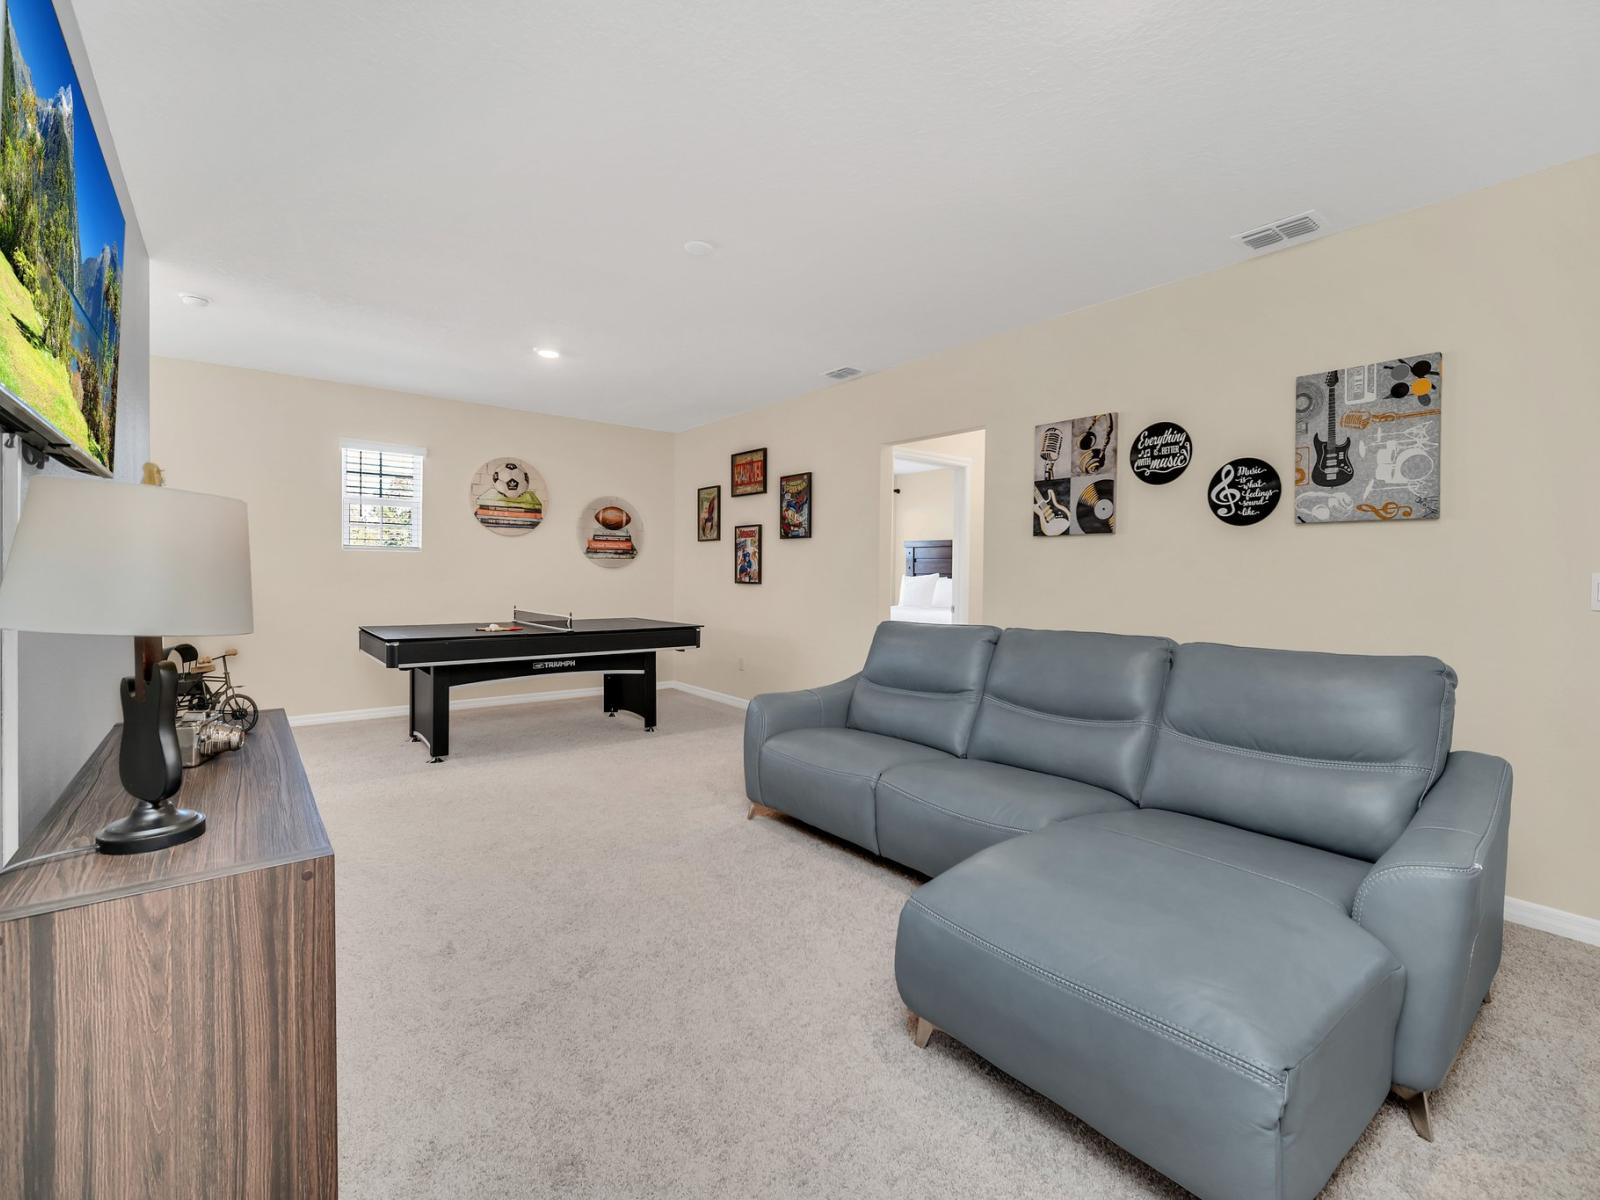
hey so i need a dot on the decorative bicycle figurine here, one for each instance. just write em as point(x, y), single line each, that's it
point(201, 690)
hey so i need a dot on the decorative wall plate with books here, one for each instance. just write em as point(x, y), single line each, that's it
point(609, 531)
point(508, 496)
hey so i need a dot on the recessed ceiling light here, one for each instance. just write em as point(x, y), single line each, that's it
point(546, 352)
point(194, 299)
point(698, 249)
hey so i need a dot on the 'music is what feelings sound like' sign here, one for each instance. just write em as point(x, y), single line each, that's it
point(1244, 491)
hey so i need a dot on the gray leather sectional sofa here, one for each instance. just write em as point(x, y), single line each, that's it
point(1216, 901)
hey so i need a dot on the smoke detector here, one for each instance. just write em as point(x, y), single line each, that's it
point(842, 373)
point(1280, 233)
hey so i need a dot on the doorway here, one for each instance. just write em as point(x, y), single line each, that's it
point(935, 566)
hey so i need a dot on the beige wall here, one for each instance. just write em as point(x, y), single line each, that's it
point(273, 441)
point(1502, 281)
point(924, 509)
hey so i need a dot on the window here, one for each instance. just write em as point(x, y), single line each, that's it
point(380, 496)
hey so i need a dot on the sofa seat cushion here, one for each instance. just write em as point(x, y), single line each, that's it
point(1332, 877)
point(1232, 1029)
point(931, 815)
point(826, 777)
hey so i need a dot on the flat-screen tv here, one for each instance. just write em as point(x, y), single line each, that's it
point(61, 250)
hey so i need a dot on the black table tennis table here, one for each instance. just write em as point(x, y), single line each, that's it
point(441, 657)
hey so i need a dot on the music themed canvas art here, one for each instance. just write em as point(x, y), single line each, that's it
point(1075, 476)
point(1366, 444)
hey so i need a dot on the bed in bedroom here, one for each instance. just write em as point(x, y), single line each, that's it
point(927, 590)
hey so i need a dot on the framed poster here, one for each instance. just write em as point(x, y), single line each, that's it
point(708, 513)
point(747, 554)
point(749, 473)
point(794, 505)
point(1075, 476)
point(609, 531)
point(1366, 445)
point(508, 496)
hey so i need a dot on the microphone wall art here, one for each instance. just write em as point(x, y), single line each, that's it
point(1075, 476)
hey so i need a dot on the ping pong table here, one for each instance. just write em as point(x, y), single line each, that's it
point(441, 657)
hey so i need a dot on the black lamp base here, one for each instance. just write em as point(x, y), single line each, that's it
point(151, 767)
point(151, 827)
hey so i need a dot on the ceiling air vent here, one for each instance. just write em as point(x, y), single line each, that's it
point(1281, 232)
point(842, 373)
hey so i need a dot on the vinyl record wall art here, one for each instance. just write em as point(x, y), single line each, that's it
point(1367, 442)
point(609, 531)
point(508, 496)
point(1075, 476)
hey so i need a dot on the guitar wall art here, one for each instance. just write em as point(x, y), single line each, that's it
point(1075, 476)
point(1367, 442)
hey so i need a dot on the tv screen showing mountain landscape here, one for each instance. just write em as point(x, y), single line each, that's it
point(61, 231)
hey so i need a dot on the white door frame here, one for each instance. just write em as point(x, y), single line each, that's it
point(961, 559)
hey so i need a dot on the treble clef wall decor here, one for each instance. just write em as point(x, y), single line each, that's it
point(1244, 491)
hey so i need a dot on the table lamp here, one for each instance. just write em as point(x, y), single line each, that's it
point(96, 557)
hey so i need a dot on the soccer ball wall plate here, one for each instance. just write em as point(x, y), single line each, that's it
point(508, 497)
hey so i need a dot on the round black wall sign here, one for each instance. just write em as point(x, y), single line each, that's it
point(1244, 491)
point(1161, 452)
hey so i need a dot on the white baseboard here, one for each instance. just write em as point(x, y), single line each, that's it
point(401, 710)
point(708, 694)
point(1553, 920)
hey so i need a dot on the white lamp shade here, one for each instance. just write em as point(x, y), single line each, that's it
point(92, 556)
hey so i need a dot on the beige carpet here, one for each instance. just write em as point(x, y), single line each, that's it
point(568, 966)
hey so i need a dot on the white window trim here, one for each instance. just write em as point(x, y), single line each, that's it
point(346, 499)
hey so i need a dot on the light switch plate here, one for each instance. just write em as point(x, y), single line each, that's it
point(1594, 591)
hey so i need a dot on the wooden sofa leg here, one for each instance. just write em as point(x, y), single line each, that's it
point(760, 810)
point(1417, 1109)
point(925, 1030)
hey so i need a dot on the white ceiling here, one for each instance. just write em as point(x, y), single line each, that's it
point(414, 195)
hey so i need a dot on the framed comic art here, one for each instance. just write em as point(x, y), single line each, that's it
point(749, 473)
point(794, 505)
point(747, 554)
point(708, 514)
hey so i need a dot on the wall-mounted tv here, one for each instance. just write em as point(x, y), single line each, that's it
point(61, 250)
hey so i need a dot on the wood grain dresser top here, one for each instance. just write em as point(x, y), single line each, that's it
point(259, 813)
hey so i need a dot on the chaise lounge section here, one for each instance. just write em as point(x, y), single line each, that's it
point(1216, 901)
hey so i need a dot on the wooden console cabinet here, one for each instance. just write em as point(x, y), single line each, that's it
point(167, 1019)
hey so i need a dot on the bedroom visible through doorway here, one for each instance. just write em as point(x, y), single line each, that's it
point(936, 540)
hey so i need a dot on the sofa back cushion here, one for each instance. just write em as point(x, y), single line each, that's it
point(922, 683)
point(1080, 705)
point(1329, 750)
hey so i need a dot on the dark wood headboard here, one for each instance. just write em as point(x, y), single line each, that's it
point(929, 558)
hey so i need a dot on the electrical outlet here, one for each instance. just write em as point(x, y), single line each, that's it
point(741, 657)
point(1594, 592)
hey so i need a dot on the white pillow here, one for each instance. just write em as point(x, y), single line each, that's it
point(916, 591)
point(944, 592)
